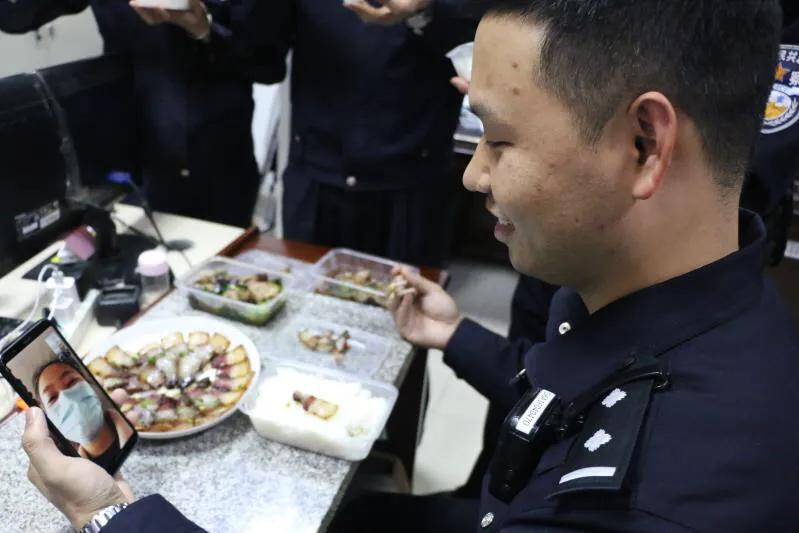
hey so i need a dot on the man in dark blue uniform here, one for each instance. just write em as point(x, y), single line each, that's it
point(193, 76)
point(663, 396)
point(768, 191)
point(373, 116)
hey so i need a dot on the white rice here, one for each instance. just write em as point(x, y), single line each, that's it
point(349, 434)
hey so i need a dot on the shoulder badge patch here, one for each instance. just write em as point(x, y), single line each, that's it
point(606, 441)
point(782, 109)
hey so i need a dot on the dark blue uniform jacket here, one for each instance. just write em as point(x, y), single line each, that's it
point(370, 101)
point(717, 450)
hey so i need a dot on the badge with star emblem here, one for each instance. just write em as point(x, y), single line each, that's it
point(782, 109)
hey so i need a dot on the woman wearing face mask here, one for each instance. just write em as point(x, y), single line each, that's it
point(73, 406)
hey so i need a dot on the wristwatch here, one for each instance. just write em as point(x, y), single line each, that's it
point(102, 518)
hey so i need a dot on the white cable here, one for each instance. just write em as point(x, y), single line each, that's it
point(13, 335)
point(54, 303)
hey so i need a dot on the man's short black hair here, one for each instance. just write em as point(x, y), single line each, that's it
point(714, 59)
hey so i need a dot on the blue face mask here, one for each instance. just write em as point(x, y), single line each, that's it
point(77, 413)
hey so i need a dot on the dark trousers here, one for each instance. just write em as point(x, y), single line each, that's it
point(403, 513)
point(408, 225)
point(224, 180)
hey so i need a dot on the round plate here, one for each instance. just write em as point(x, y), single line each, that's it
point(147, 331)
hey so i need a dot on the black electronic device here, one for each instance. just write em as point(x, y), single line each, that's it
point(64, 131)
point(33, 208)
point(117, 305)
point(83, 420)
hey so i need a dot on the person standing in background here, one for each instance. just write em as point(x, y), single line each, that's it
point(373, 115)
point(193, 72)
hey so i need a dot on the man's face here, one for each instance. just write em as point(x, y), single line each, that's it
point(558, 199)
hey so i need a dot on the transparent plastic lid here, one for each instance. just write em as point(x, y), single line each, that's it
point(320, 410)
point(364, 353)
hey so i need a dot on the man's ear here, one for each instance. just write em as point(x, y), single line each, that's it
point(653, 126)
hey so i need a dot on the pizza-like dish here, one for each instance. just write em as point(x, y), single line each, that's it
point(178, 383)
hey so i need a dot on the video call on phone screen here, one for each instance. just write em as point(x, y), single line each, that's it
point(70, 398)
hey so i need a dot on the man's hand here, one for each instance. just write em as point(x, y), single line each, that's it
point(425, 314)
point(77, 487)
point(390, 13)
point(194, 20)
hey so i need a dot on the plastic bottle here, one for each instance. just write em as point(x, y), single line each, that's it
point(154, 272)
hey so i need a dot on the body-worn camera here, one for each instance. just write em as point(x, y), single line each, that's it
point(540, 418)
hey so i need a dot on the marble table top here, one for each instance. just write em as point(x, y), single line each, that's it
point(227, 478)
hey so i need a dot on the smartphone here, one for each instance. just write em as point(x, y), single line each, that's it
point(84, 421)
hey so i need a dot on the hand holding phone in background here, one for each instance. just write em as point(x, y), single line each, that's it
point(193, 19)
point(389, 12)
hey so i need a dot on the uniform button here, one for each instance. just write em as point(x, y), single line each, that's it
point(425, 154)
point(352, 181)
point(487, 520)
point(564, 328)
point(297, 138)
point(185, 173)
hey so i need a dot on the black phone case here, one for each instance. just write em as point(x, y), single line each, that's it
point(60, 441)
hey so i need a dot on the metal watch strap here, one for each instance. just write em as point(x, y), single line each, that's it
point(102, 518)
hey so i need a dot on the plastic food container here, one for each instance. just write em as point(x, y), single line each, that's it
point(363, 407)
point(365, 355)
point(343, 260)
point(253, 314)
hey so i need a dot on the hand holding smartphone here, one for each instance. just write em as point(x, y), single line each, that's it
point(83, 420)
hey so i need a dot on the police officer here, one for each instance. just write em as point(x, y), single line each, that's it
point(663, 396)
point(768, 191)
point(373, 115)
point(193, 73)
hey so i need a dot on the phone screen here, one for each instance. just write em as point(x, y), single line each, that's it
point(53, 376)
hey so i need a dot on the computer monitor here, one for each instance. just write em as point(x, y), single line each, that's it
point(63, 131)
point(33, 210)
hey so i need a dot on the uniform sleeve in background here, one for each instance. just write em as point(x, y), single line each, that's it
point(22, 16)
point(453, 22)
point(250, 38)
point(486, 361)
point(530, 309)
point(152, 514)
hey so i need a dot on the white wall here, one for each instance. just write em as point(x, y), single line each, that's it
point(66, 39)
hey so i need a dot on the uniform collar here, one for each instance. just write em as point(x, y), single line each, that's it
point(648, 322)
